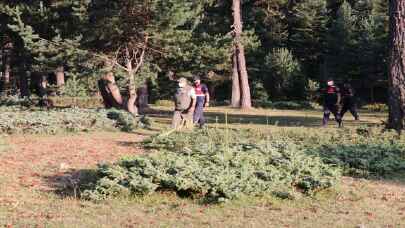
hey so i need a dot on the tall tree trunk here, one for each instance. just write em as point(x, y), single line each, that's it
point(131, 88)
point(143, 98)
point(235, 102)
point(397, 65)
point(23, 79)
point(60, 77)
point(7, 53)
point(246, 102)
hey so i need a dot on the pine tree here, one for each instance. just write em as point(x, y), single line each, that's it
point(397, 67)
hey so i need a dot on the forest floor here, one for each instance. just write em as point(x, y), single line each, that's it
point(33, 168)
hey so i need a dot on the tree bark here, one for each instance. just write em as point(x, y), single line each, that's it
point(246, 102)
point(7, 53)
point(397, 65)
point(23, 80)
point(60, 77)
point(131, 87)
point(143, 98)
point(235, 102)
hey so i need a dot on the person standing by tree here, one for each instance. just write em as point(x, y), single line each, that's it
point(203, 99)
point(348, 101)
point(332, 98)
point(185, 102)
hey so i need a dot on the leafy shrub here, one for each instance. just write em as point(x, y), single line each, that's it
point(365, 151)
point(164, 103)
point(79, 102)
point(365, 159)
point(126, 122)
point(35, 121)
point(215, 165)
point(15, 101)
point(376, 107)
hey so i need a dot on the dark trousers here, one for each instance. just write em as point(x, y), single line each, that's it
point(198, 117)
point(349, 105)
point(327, 110)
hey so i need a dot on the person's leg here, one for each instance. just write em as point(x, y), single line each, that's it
point(177, 119)
point(198, 112)
point(335, 110)
point(345, 108)
point(202, 118)
point(353, 111)
point(326, 115)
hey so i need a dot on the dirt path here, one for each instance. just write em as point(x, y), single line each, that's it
point(32, 160)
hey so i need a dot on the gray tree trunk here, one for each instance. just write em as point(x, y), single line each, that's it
point(397, 65)
point(246, 102)
point(236, 98)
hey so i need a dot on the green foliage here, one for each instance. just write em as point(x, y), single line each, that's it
point(366, 159)
point(77, 102)
point(215, 165)
point(285, 76)
point(365, 151)
point(126, 122)
point(15, 120)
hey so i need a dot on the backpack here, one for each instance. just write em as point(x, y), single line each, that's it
point(182, 99)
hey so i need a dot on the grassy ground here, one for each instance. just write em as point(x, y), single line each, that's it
point(34, 168)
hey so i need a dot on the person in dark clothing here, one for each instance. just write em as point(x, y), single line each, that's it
point(348, 101)
point(203, 99)
point(332, 99)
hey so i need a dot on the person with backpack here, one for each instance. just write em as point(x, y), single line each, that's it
point(348, 101)
point(332, 98)
point(202, 101)
point(185, 102)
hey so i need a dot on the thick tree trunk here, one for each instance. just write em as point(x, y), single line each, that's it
point(23, 81)
point(246, 102)
point(397, 65)
point(235, 102)
point(131, 90)
point(110, 92)
point(143, 98)
point(7, 53)
point(60, 77)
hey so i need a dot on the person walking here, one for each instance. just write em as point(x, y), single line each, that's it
point(332, 98)
point(203, 99)
point(185, 102)
point(348, 101)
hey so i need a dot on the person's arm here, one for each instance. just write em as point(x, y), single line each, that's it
point(207, 97)
point(339, 96)
point(193, 101)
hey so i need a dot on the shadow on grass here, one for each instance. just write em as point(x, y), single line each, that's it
point(71, 183)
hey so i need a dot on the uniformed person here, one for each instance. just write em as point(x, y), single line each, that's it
point(185, 102)
point(348, 101)
point(332, 98)
point(203, 99)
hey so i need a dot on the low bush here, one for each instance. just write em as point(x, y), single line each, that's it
point(78, 102)
point(365, 159)
point(215, 165)
point(362, 152)
point(16, 101)
point(36, 121)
